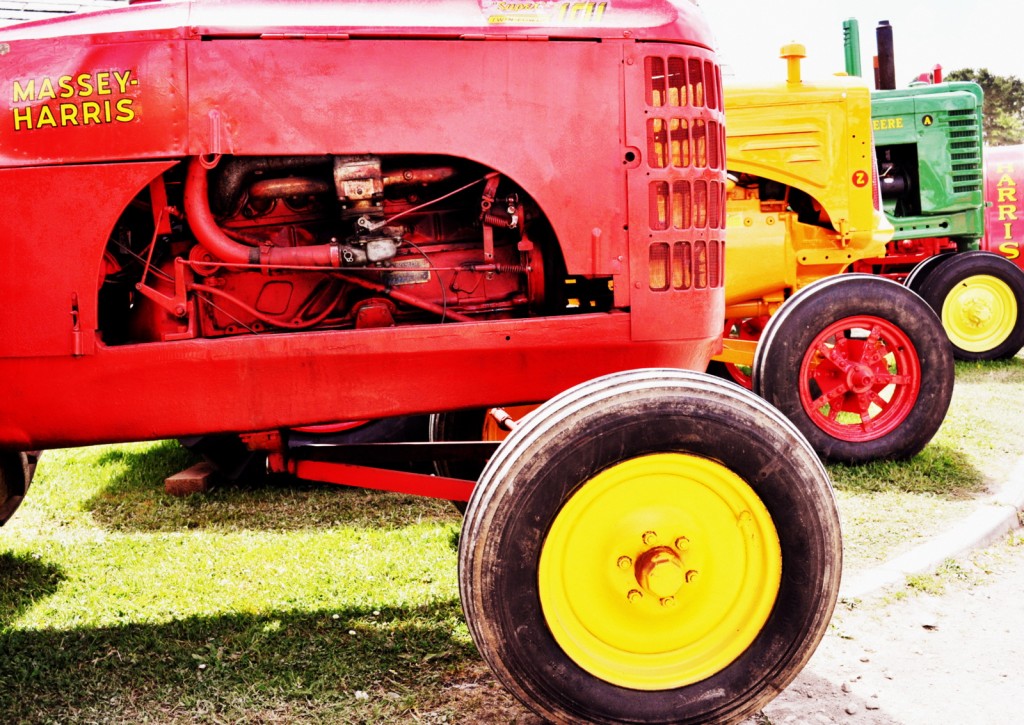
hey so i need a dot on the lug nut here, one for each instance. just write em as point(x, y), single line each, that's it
point(624, 562)
point(668, 601)
point(650, 538)
point(634, 596)
point(682, 543)
point(691, 575)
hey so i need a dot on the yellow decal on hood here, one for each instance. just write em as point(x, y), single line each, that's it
point(84, 99)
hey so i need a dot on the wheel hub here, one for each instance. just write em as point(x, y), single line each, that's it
point(977, 310)
point(659, 572)
point(860, 378)
point(980, 313)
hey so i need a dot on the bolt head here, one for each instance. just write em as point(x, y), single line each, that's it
point(682, 543)
point(650, 538)
point(634, 596)
point(624, 562)
point(668, 601)
point(691, 575)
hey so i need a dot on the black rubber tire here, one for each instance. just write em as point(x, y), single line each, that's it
point(922, 270)
point(16, 471)
point(459, 425)
point(791, 331)
point(552, 456)
point(958, 270)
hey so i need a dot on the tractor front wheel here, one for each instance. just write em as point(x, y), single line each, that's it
point(980, 298)
point(638, 551)
point(922, 270)
point(860, 364)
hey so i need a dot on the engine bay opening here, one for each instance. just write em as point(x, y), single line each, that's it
point(255, 245)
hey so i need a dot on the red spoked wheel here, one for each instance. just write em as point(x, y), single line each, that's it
point(860, 364)
point(862, 377)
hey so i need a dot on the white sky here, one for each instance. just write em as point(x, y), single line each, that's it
point(952, 33)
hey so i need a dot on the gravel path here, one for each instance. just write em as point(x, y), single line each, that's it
point(950, 657)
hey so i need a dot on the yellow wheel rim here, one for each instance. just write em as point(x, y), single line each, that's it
point(659, 571)
point(980, 313)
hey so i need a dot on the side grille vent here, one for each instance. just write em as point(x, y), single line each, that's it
point(686, 265)
point(685, 159)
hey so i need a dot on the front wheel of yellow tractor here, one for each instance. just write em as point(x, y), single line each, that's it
point(655, 546)
point(860, 364)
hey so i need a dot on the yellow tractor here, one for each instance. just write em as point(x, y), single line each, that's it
point(857, 362)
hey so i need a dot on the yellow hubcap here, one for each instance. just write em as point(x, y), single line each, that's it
point(980, 313)
point(659, 571)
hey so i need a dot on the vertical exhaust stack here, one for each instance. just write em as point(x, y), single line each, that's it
point(885, 74)
point(851, 46)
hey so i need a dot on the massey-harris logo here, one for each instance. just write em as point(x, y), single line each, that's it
point(543, 12)
point(85, 99)
point(1008, 209)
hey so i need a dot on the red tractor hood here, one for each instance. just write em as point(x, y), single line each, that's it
point(662, 20)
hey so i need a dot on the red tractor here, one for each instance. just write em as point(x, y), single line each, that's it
point(243, 218)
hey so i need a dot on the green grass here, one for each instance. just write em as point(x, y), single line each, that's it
point(322, 604)
point(888, 507)
point(121, 603)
